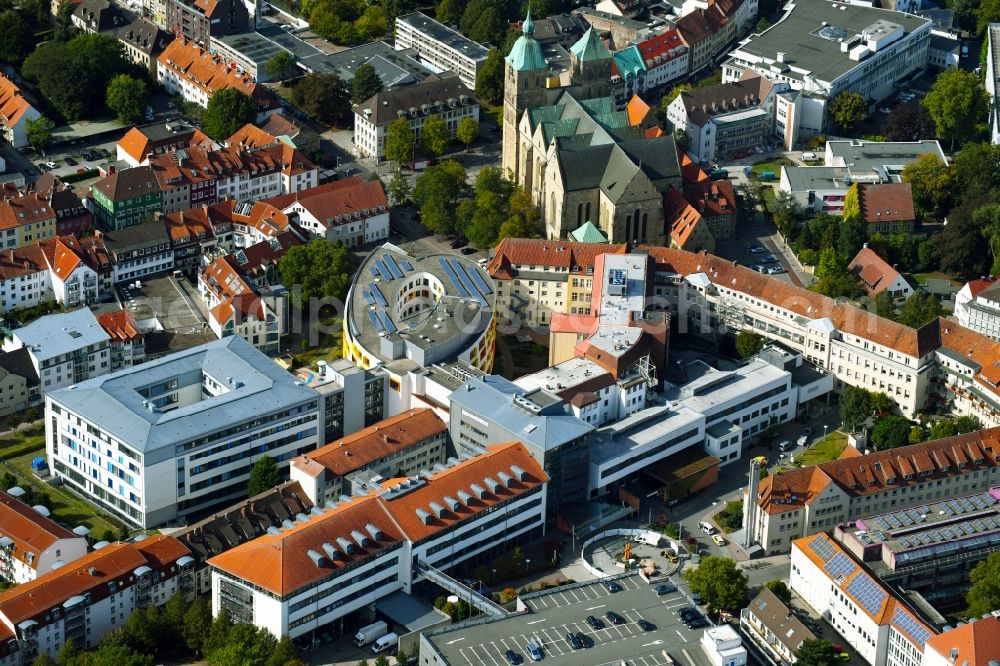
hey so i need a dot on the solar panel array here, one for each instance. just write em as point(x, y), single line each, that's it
point(905, 623)
point(390, 263)
point(867, 593)
point(822, 548)
point(407, 266)
point(376, 322)
point(377, 295)
point(841, 565)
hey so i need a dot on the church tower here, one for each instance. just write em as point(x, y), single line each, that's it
point(525, 73)
point(591, 63)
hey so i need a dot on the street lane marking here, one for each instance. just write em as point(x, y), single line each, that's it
point(535, 621)
point(455, 640)
point(594, 607)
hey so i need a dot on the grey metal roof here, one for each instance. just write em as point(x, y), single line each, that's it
point(867, 156)
point(797, 35)
point(502, 402)
point(57, 334)
point(113, 402)
point(432, 96)
point(805, 178)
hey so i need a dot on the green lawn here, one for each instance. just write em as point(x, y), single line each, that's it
point(770, 199)
point(329, 349)
point(922, 278)
point(772, 165)
point(824, 450)
point(67, 508)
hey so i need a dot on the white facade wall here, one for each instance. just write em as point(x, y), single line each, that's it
point(80, 288)
point(858, 630)
point(62, 550)
point(981, 314)
point(26, 291)
point(17, 134)
point(666, 70)
point(141, 266)
point(369, 138)
point(352, 232)
point(439, 55)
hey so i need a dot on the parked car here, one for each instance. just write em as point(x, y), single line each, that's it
point(612, 586)
point(685, 612)
point(468, 250)
point(594, 622)
point(666, 588)
point(70, 161)
point(785, 445)
point(585, 640)
point(535, 651)
point(646, 625)
point(760, 268)
point(697, 623)
point(614, 618)
point(51, 165)
point(776, 269)
point(573, 641)
point(695, 597)
point(757, 249)
point(804, 437)
point(513, 658)
point(718, 539)
point(457, 243)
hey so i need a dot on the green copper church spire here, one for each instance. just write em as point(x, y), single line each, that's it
point(526, 54)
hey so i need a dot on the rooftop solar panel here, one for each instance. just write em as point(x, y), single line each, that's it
point(989, 499)
point(463, 277)
point(368, 297)
point(377, 295)
point(407, 266)
point(478, 280)
point(946, 509)
point(376, 322)
point(373, 271)
point(867, 593)
point(390, 262)
point(905, 623)
point(822, 548)
point(382, 270)
point(841, 565)
point(450, 272)
point(389, 325)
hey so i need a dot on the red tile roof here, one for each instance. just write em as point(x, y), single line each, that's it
point(681, 216)
point(873, 271)
point(282, 564)
point(25, 209)
point(338, 201)
point(979, 284)
point(210, 72)
point(974, 644)
point(661, 48)
point(886, 202)
point(13, 105)
point(30, 531)
point(90, 573)
point(524, 252)
point(250, 136)
point(22, 261)
point(120, 325)
point(386, 437)
point(861, 475)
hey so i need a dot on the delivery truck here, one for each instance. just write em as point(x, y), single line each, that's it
point(367, 634)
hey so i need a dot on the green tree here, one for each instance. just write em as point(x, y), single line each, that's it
point(961, 247)
point(18, 38)
point(63, 29)
point(434, 136)
point(197, 624)
point(373, 23)
point(855, 407)
point(39, 132)
point(489, 78)
point(943, 428)
point(885, 306)
point(984, 595)
point(486, 20)
point(401, 656)
point(719, 582)
point(524, 219)
point(848, 109)
point(908, 122)
point(264, 475)
point(816, 652)
point(673, 93)
point(68, 654)
point(832, 276)
point(467, 130)
point(126, 96)
point(366, 83)
point(964, 424)
point(780, 590)
point(762, 25)
point(957, 103)
point(324, 97)
point(449, 12)
point(931, 181)
point(43, 659)
point(919, 309)
point(399, 141)
point(60, 79)
point(917, 435)
point(890, 432)
point(852, 237)
point(852, 204)
point(318, 269)
point(381, 660)
point(437, 192)
point(399, 188)
point(749, 343)
point(976, 174)
point(218, 632)
point(228, 110)
point(280, 66)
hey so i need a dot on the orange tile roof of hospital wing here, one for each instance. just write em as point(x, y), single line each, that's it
point(314, 549)
point(973, 644)
point(386, 437)
point(30, 531)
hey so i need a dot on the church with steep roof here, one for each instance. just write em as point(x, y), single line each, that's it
point(581, 158)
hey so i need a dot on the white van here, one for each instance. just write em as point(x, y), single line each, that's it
point(706, 528)
point(384, 643)
point(809, 157)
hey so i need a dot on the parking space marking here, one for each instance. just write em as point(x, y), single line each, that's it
point(685, 653)
point(595, 607)
point(536, 621)
point(568, 602)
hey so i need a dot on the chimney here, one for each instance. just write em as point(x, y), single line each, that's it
point(111, 169)
point(781, 56)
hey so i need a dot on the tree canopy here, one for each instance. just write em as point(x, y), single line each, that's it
point(467, 130)
point(984, 595)
point(957, 103)
point(318, 269)
point(855, 407)
point(489, 78)
point(39, 132)
point(780, 590)
point(749, 343)
point(347, 22)
point(264, 475)
point(228, 110)
point(721, 585)
point(908, 122)
point(919, 309)
point(18, 39)
point(891, 431)
point(126, 96)
point(399, 141)
point(816, 652)
point(366, 83)
point(930, 181)
point(280, 66)
point(847, 109)
point(437, 193)
point(434, 137)
point(324, 97)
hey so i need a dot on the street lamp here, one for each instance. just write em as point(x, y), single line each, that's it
point(494, 576)
point(825, 428)
point(527, 564)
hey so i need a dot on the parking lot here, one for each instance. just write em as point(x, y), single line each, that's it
point(559, 612)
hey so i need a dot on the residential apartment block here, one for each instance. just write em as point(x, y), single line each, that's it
point(127, 342)
point(666, 57)
point(142, 142)
point(770, 623)
point(353, 552)
point(869, 616)
point(446, 97)
point(67, 270)
point(64, 348)
point(178, 435)
point(139, 251)
point(440, 46)
point(887, 207)
point(144, 41)
point(18, 382)
point(977, 306)
point(31, 543)
point(824, 48)
point(803, 501)
point(126, 197)
point(87, 598)
point(352, 210)
point(188, 69)
point(15, 112)
point(400, 445)
point(198, 20)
